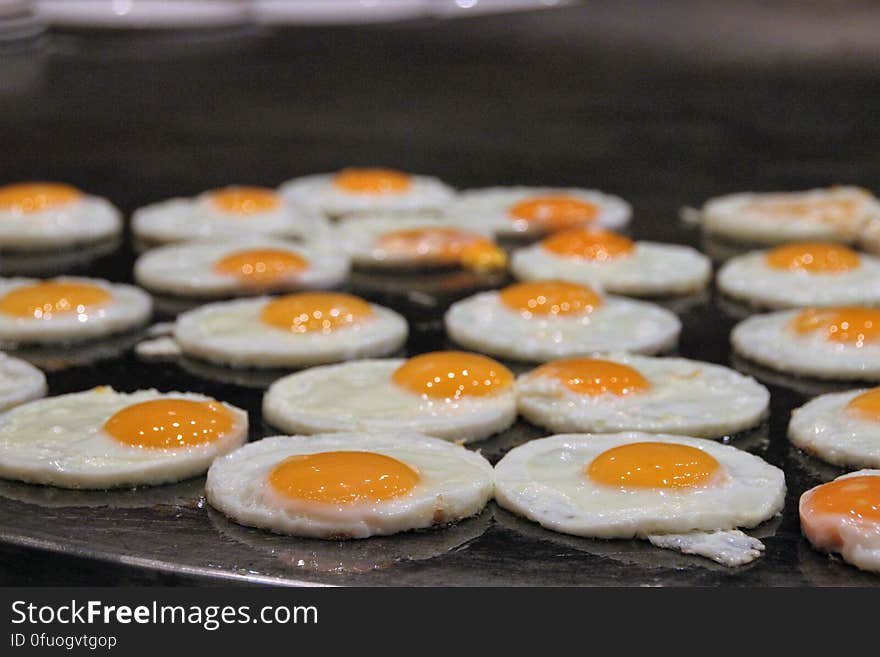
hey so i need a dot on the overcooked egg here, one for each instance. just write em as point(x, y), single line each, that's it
point(19, 382)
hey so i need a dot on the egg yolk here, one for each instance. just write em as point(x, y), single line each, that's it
point(593, 377)
point(584, 244)
point(310, 312)
point(554, 212)
point(372, 181)
point(550, 298)
point(343, 478)
point(816, 258)
point(653, 465)
point(827, 210)
point(445, 245)
point(261, 265)
point(854, 325)
point(46, 299)
point(452, 375)
point(857, 498)
point(25, 198)
point(170, 423)
point(245, 200)
point(866, 405)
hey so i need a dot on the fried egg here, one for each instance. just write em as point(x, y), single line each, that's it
point(834, 214)
point(349, 485)
point(295, 330)
point(840, 428)
point(68, 309)
point(223, 214)
point(827, 343)
point(843, 516)
point(613, 263)
point(367, 190)
point(101, 438)
point(239, 268)
point(543, 320)
point(49, 216)
point(452, 395)
point(620, 392)
point(531, 211)
point(19, 382)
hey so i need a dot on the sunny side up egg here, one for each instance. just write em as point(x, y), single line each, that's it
point(543, 320)
point(101, 438)
point(452, 395)
point(349, 485)
point(19, 382)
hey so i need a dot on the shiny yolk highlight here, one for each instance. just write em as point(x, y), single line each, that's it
point(446, 246)
point(46, 299)
point(857, 498)
point(653, 465)
point(592, 376)
point(866, 405)
point(26, 198)
point(554, 212)
point(816, 258)
point(584, 244)
point(170, 423)
point(244, 200)
point(261, 265)
point(372, 181)
point(852, 325)
point(343, 478)
point(550, 298)
point(310, 312)
point(452, 375)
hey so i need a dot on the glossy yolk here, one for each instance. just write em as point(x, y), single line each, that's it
point(445, 245)
point(372, 181)
point(816, 258)
point(25, 198)
point(554, 212)
point(170, 423)
point(653, 465)
point(343, 478)
point(584, 244)
point(592, 376)
point(857, 498)
point(866, 405)
point(46, 299)
point(550, 298)
point(244, 200)
point(452, 375)
point(853, 325)
point(828, 210)
point(309, 312)
point(261, 265)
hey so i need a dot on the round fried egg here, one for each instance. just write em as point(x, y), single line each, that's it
point(349, 485)
point(68, 309)
point(613, 263)
point(45, 215)
point(621, 392)
point(827, 343)
point(840, 428)
point(222, 214)
point(633, 484)
point(242, 267)
point(835, 214)
point(543, 320)
point(19, 382)
point(367, 190)
point(101, 438)
point(294, 330)
point(530, 211)
point(447, 394)
point(843, 516)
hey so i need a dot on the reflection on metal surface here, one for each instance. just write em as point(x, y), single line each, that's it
point(800, 384)
point(54, 358)
point(183, 494)
point(66, 262)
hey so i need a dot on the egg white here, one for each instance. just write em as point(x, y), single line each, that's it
point(826, 429)
point(360, 396)
point(85, 220)
point(19, 382)
point(60, 441)
point(454, 483)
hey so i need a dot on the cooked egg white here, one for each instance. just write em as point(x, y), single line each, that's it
point(19, 382)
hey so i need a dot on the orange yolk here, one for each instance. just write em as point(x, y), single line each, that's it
point(591, 376)
point(598, 245)
point(653, 465)
point(452, 375)
point(25, 198)
point(46, 299)
point(816, 258)
point(315, 311)
point(550, 298)
point(866, 405)
point(244, 200)
point(857, 498)
point(446, 246)
point(372, 181)
point(260, 265)
point(827, 210)
point(170, 423)
point(343, 478)
point(853, 325)
point(554, 212)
